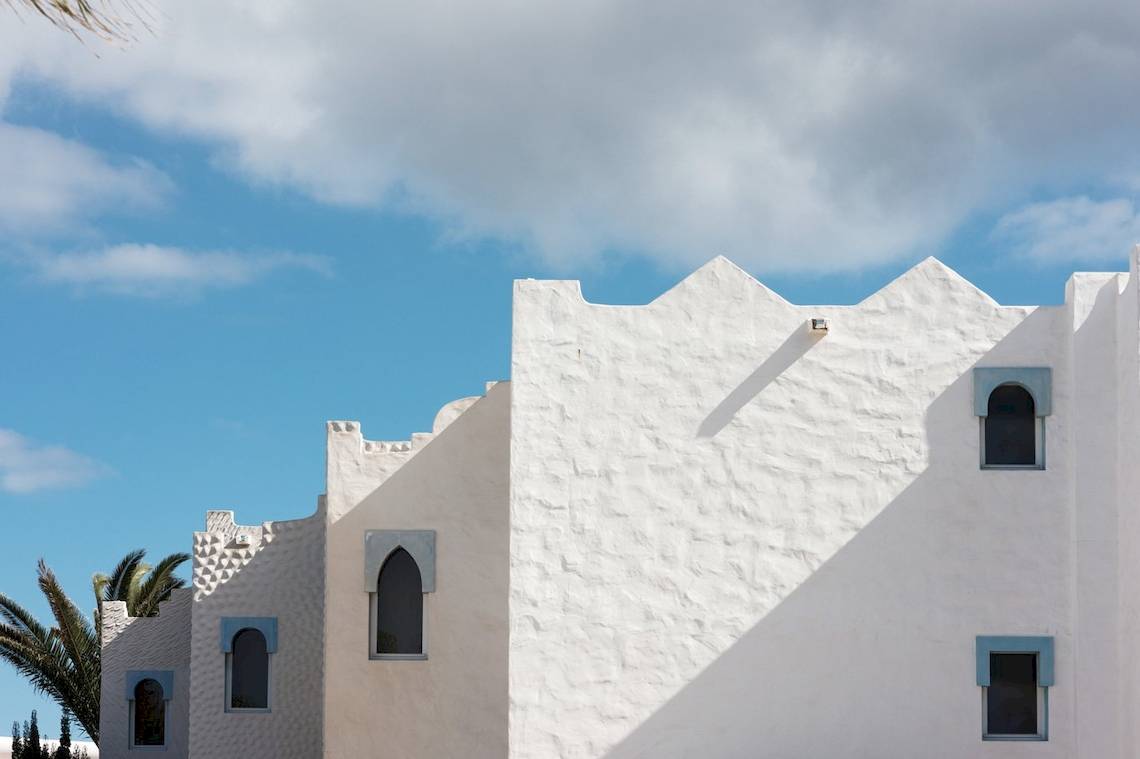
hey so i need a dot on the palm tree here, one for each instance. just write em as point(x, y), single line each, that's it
point(63, 660)
point(76, 16)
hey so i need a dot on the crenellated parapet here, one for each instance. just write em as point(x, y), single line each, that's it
point(115, 619)
point(151, 645)
point(225, 547)
point(357, 466)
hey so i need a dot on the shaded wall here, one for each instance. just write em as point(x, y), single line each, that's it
point(1128, 498)
point(145, 643)
point(733, 539)
point(454, 481)
point(280, 574)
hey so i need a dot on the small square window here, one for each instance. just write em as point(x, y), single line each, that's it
point(1014, 702)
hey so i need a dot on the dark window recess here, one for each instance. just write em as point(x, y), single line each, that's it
point(249, 671)
point(1011, 703)
point(399, 606)
point(150, 714)
point(1011, 428)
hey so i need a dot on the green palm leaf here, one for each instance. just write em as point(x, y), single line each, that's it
point(63, 660)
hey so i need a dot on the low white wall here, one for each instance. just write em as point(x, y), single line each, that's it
point(6, 748)
point(148, 643)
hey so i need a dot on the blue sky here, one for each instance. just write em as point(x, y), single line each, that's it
point(189, 292)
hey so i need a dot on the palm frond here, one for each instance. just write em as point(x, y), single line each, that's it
point(64, 660)
point(157, 586)
point(75, 632)
point(116, 587)
point(19, 617)
point(107, 19)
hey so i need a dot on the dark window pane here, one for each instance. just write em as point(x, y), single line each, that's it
point(1011, 702)
point(249, 671)
point(150, 714)
point(399, 606)
point(1011, 427)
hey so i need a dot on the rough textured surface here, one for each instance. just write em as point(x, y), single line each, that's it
point(145, 643)
point(731, 537)
point(280, 574)
point(697, 528)
point(454, 481)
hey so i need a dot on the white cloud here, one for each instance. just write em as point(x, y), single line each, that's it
point(157, 271)
point(1071, 229)
point(786, 135)
point(26, 466)
point(50, 185)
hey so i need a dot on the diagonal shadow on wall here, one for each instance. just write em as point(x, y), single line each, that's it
point(874, 650)
point(797, 344)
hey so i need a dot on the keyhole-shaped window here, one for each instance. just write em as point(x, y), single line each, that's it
point(398, 608)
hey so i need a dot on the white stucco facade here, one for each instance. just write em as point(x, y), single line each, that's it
point(699, 528)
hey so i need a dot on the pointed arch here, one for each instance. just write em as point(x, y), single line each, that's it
point(379, 545)
point(398, 610)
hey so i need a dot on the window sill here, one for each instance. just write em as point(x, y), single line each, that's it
point(1039, 738)
point(147, 748)
point(398, 657)
point(1015, 467)
point(232, 710)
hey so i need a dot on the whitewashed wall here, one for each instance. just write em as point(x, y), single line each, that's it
point(6, 748)
point(281, 574)
point(693, 528)
point(732, 539)
point(1128, 517)
point(453, 480)
point(144, 643)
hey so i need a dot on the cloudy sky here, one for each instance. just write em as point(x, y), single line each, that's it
point(262, 215)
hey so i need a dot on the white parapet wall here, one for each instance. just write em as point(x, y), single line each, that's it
point(132, 644)
point(6, 747)
point(451, 482)
point(271, 570)
point(732, 535)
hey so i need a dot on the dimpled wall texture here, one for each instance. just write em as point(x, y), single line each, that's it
point(733, 537)
point(280, 574)
point(145, 643)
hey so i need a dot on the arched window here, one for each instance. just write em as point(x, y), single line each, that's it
point(247, 671)
point(398, 608)
point(1011, 428)
point(148, 714)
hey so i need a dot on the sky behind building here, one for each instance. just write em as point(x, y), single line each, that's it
point(260, 217)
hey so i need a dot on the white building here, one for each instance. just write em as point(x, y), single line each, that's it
point(717, 525)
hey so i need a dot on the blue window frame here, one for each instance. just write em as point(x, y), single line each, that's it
point(1015, 673)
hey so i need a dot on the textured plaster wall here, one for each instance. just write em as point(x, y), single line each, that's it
point(454, 481)
point(1093, 303)
point(281, 574)
point(1128, 518)
point(732, 538)
point(145, 643)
